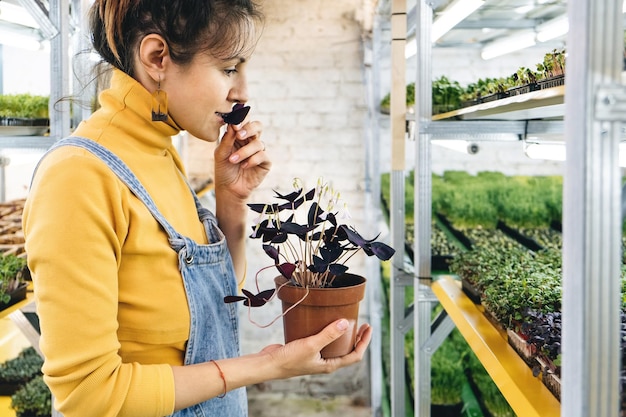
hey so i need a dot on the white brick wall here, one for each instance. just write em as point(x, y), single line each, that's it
point(305, 78)
point(306, 86)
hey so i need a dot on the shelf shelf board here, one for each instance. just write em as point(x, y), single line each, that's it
point(542, 104)
point(525, 393)
point(26, 142)
point(5, 407)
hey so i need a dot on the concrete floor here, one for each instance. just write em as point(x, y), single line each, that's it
point(344, 393)
point(293, 405)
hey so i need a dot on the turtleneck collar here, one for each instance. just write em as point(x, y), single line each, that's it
point(127, 106)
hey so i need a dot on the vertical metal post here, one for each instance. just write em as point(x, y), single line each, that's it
point(422, 208)
point(373, 193)
point(397, 211)
point(59, 70)
point(4, 163)
point(1, 69)
point(592, 214)
point(83, 81)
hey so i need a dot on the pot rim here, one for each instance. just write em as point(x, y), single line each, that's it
point(320, 296)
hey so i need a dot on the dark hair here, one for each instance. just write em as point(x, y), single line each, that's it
point(222, 27)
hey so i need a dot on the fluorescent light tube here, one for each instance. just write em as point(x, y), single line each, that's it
point(37, 11)
point(552, 29)
point(508, 44)
point(555, 151)
point(452, 15)
point(15, 14)
point(545, 151)
point(458, 145)
point(410, 49)
point(17, 40)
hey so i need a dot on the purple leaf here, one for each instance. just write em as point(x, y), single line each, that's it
point(355, 238)
point(234, 298)
point(272, 252)
point(295, 229)
point(238, 114)
point(286, 269)
point(331, 253)
point(291, 197)
point(337, 269)
point(382, 251)
point(319, 265)
point(279, 238)
point(292, 205)
point(315, 213)
point(253, 300)
point(258, 208)
point(310, 194)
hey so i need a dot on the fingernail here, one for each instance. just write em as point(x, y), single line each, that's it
point(242, 133)
point(234, 158)
point(342, 325)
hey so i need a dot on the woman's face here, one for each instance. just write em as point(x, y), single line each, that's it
point(199, 93)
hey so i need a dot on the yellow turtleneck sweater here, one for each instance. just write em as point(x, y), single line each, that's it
point(109, 294)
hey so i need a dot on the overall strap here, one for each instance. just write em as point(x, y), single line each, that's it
point(123, 172)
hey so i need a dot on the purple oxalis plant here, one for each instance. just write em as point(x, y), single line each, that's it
point(306, 241)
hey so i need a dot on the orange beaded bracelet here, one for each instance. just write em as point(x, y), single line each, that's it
point(222, 376)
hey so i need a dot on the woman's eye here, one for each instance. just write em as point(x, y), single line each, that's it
point(230, 71)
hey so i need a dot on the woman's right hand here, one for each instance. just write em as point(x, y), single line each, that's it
point(199, 382)
point(302, 356)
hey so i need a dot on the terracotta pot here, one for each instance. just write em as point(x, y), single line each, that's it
point(321, 307)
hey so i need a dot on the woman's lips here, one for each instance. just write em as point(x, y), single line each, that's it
point(237, 115)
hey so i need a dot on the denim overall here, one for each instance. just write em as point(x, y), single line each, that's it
point(208, 276)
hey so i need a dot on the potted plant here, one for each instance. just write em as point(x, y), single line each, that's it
point(24, 114)
point(16, 372)
point(309, 248)
point(12, 284)
point(33, 399)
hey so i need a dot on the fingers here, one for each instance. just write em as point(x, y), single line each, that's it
point(333, 332)
point(246, 144)
point(363, 338)
point(336, 329)
point(302, 356)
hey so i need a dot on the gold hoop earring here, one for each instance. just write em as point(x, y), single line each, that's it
point(159, 104)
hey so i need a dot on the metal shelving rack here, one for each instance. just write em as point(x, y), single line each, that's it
point(61, 23)
point(593, 115)
point(55, 27)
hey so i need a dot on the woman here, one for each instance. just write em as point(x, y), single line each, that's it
point(129, 272)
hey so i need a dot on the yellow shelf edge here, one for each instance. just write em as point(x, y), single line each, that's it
point(5, 407)
point(525, 393)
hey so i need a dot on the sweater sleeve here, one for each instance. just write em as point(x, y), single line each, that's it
point(75, 222)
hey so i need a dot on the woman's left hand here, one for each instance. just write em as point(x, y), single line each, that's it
point(241, 162)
